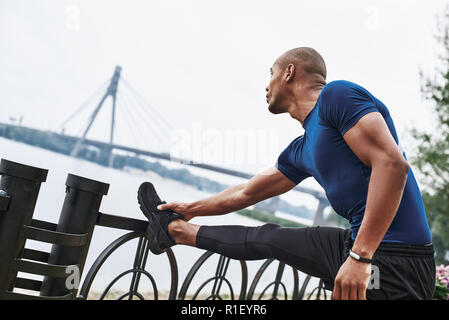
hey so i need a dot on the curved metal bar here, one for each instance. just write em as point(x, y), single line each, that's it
point(130, 294)
point(174, 274)
point(191, 274)
point(110, 249)
point(320, 289)
point(102, 258)
point(197, 265)
point(273, 297)
point(310, 295)
point(244, 280)
point(279, 273)
point(320, 284)
point(213, 294)
point(325, 294)
point(303, 288)
point(125, 273)
point(257, 278)
point(296, 283)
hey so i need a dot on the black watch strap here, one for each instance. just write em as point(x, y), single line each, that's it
point(357, 257)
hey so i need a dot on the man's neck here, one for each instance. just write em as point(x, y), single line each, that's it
point(304, 103)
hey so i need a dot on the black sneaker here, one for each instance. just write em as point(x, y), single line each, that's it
point(157, 231)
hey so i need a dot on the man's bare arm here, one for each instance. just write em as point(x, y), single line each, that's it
point(374, 145)
point(264, 185)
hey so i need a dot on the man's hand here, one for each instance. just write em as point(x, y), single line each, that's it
point(352, 280)
point(178, 207)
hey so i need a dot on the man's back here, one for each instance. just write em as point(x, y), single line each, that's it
point(322, 153)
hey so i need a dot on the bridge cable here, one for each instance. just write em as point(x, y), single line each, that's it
point(128, 124)
point(83, 105)
point(151, 117)
point(136, 121)
point(167, 124)
point(134, 127)
point(143, 109)
point(142, 116)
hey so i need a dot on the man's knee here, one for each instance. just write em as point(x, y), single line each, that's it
point(261, 238)
point(262, 232)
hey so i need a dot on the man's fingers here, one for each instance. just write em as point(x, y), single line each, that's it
point(344, 291)
point(344, 294)
point(362, 292)
point(166, 206)
point(353, 295)
point(336, 292)
point(170, 205)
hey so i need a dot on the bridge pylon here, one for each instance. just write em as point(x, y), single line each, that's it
point(110, 92)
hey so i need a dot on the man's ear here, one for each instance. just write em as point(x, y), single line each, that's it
point(290, 72)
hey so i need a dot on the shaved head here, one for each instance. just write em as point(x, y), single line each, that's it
point(297, 78)
point(306, 59)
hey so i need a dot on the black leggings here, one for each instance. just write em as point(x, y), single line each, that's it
point(406, 271)
point(318, 251)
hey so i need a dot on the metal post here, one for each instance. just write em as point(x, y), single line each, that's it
point(78, 216)
point(21, 184)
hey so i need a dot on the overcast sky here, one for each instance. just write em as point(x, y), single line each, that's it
point(204, 65)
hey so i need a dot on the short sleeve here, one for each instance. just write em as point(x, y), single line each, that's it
point(344, 103)
point(286, 165)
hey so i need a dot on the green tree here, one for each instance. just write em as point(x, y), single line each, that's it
point(432, 158)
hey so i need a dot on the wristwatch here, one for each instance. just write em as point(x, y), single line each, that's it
point(359, 258)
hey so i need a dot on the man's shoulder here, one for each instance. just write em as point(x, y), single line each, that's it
point(294, 144)
point(297, 140)
point(339, 88)
point(344, 93)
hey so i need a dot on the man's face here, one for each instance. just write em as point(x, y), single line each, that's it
point(276, 90)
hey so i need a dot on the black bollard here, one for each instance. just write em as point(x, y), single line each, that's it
point(78, 216)
point(20, 185)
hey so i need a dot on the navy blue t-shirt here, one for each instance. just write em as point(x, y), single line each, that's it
point(321, 152)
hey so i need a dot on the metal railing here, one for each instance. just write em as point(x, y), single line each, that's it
point(71, 238)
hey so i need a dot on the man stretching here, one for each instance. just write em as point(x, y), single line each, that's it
point(350, 147)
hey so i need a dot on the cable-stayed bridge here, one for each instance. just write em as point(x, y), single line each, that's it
point(134, 109)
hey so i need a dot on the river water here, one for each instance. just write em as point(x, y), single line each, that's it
point(121, 200)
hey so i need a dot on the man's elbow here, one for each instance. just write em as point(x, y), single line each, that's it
point(406, 167)
point(397, 165)
point(402, 166)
